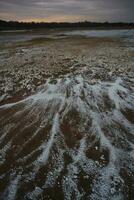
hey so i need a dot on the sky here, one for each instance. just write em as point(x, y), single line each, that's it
point(67, 10)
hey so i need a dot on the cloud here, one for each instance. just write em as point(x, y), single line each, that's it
point(67, 10)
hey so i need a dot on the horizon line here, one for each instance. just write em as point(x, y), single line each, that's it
point(83, 21)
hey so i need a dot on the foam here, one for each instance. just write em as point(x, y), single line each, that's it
point(51, 104)
point(12, 188)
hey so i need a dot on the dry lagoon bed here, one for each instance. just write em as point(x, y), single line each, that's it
point(66, 119)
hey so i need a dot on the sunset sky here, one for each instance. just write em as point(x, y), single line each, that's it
point(67, 10)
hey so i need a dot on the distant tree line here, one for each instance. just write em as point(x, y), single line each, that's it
point(15, 25)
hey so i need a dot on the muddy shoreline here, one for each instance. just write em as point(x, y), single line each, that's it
point(66, 119)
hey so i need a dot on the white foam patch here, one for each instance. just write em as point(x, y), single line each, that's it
point(46, 150)
point(5, 131)
point(81, 151)
point(113, 92)
point(96, 126)
point(104, 187)
point(12, 188)
point(3, 152)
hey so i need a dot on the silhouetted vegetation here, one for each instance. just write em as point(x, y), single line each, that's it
point(13, 25)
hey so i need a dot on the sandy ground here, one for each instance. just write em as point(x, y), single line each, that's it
point(66, 119)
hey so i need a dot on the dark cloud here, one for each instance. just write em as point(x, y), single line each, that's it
point(67, 10)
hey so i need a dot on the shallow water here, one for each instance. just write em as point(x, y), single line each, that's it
point(104, 33)
point(127, 35)
point(18, 37)
point(27, 36)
